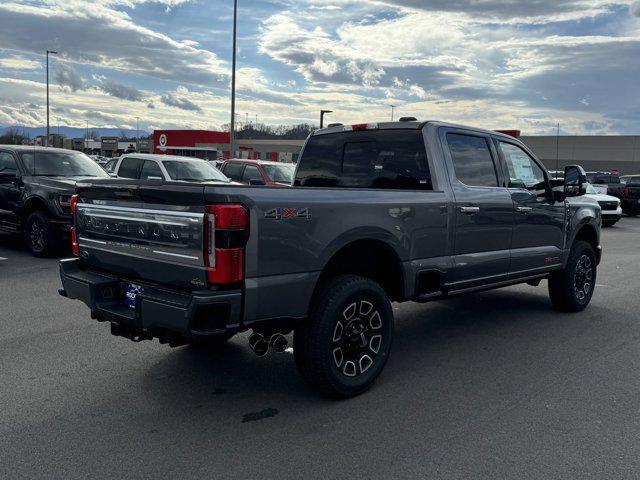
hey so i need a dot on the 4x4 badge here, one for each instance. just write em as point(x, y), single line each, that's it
point(287, 213)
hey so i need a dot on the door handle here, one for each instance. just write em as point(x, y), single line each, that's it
point(470, 210)
point(523, 209)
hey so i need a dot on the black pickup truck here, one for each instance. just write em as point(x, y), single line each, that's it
point(378, 213)
point(36, 185)
point(629, 195)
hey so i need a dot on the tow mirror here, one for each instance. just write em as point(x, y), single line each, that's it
point(575, 181)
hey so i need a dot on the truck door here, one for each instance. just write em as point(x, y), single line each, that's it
point(483, 209)
point(9, 190)
point(538, 234)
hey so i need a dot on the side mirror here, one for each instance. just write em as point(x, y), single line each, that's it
point(575, 181)
point(256, 182)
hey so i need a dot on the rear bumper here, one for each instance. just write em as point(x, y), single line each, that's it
point(173, 316)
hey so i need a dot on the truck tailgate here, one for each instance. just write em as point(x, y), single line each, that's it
point(143, 230)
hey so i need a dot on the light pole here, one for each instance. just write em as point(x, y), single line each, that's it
point(393, 109)
point(232, 133)
point(322, 114)
point(138, 134)
point(86, 139)
point(52, 53)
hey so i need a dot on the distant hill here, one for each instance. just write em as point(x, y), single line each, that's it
point(72, 132)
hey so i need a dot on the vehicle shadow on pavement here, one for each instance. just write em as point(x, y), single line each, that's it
point(426, 335)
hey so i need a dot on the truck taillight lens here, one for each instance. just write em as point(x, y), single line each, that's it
point(74, 242)
point(74, 235)
point(624, 191)
point(74, 203)
point(224, 258)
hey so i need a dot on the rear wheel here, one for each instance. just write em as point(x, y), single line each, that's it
point(40, 236)
point(344, 345)
point(571, 289)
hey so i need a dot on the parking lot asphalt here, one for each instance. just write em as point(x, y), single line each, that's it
point(492, 385)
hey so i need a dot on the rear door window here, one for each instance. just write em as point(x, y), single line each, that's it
point(377, 159)
point(472, 160)
point(234, 171)
point(130, 168)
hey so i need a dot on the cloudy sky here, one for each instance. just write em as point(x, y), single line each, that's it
point(491, 63)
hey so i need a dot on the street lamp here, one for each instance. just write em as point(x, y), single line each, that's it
point(322, 114)
point(52, 53)
point(138, 134)
point(232, 133)
point(393, 109)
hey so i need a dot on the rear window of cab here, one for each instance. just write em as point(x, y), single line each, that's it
point(375, 159)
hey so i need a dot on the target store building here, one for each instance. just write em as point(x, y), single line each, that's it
point(192, 143)
point(213, 145)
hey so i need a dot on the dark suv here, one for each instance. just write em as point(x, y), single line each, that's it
point(36, 185)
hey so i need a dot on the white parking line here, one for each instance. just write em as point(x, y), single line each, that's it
point(2, 258)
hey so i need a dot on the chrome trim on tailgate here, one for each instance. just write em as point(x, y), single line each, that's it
point(162, 235)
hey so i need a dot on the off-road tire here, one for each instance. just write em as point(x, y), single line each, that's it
point(340, 368)
point(40, 236)
point(567, 288)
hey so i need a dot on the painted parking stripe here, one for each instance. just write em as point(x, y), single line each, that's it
point(2, 258)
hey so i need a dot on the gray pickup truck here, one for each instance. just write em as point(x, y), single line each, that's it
point(378, 213)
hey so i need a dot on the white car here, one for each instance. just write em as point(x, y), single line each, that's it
point(611, 208)
point(141, 166)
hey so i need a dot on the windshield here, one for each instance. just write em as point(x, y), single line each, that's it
point(193, 171)
point(591, 190)
point(61, 163)
point(280, 173)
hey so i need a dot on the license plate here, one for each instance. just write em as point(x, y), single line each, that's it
point(131, 292)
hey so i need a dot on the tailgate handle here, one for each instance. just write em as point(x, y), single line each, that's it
point(523, 209)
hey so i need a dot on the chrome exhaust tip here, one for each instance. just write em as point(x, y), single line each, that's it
point(278, 342)
point(259, 344)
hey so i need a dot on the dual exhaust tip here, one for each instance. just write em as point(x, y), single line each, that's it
point(261, 345)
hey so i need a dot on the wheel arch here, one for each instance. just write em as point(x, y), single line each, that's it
point(31, 205)
point(370, 258)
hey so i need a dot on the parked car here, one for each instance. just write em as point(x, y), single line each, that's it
point(606, 183)
point(630, 195)
point(611, 206)
point(167, 168)
point(36, 185)
point(259, 172)
point(110, 166)
point(401, 211)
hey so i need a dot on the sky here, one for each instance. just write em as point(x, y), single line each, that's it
point(497, 64)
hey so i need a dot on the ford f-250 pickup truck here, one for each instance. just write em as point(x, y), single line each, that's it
point(377, 213)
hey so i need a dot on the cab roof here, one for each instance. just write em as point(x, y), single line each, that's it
point(410, 125)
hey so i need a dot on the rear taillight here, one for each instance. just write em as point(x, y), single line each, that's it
point(74, 235)
point(226, 229)
point(74, 203)
point(624, 191)
point(74, 242)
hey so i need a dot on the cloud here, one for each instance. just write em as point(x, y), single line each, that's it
point(530, 10)
point(122, 91)
point(635, 8)
point(180, 102)
point(18, 62)
point(66, 76)
point(106, 37)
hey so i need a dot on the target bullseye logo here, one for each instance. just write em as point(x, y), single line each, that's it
point(163, 140)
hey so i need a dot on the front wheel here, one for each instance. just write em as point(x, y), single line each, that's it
point(571, 289)
point(344, 345)
point(40, 236)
